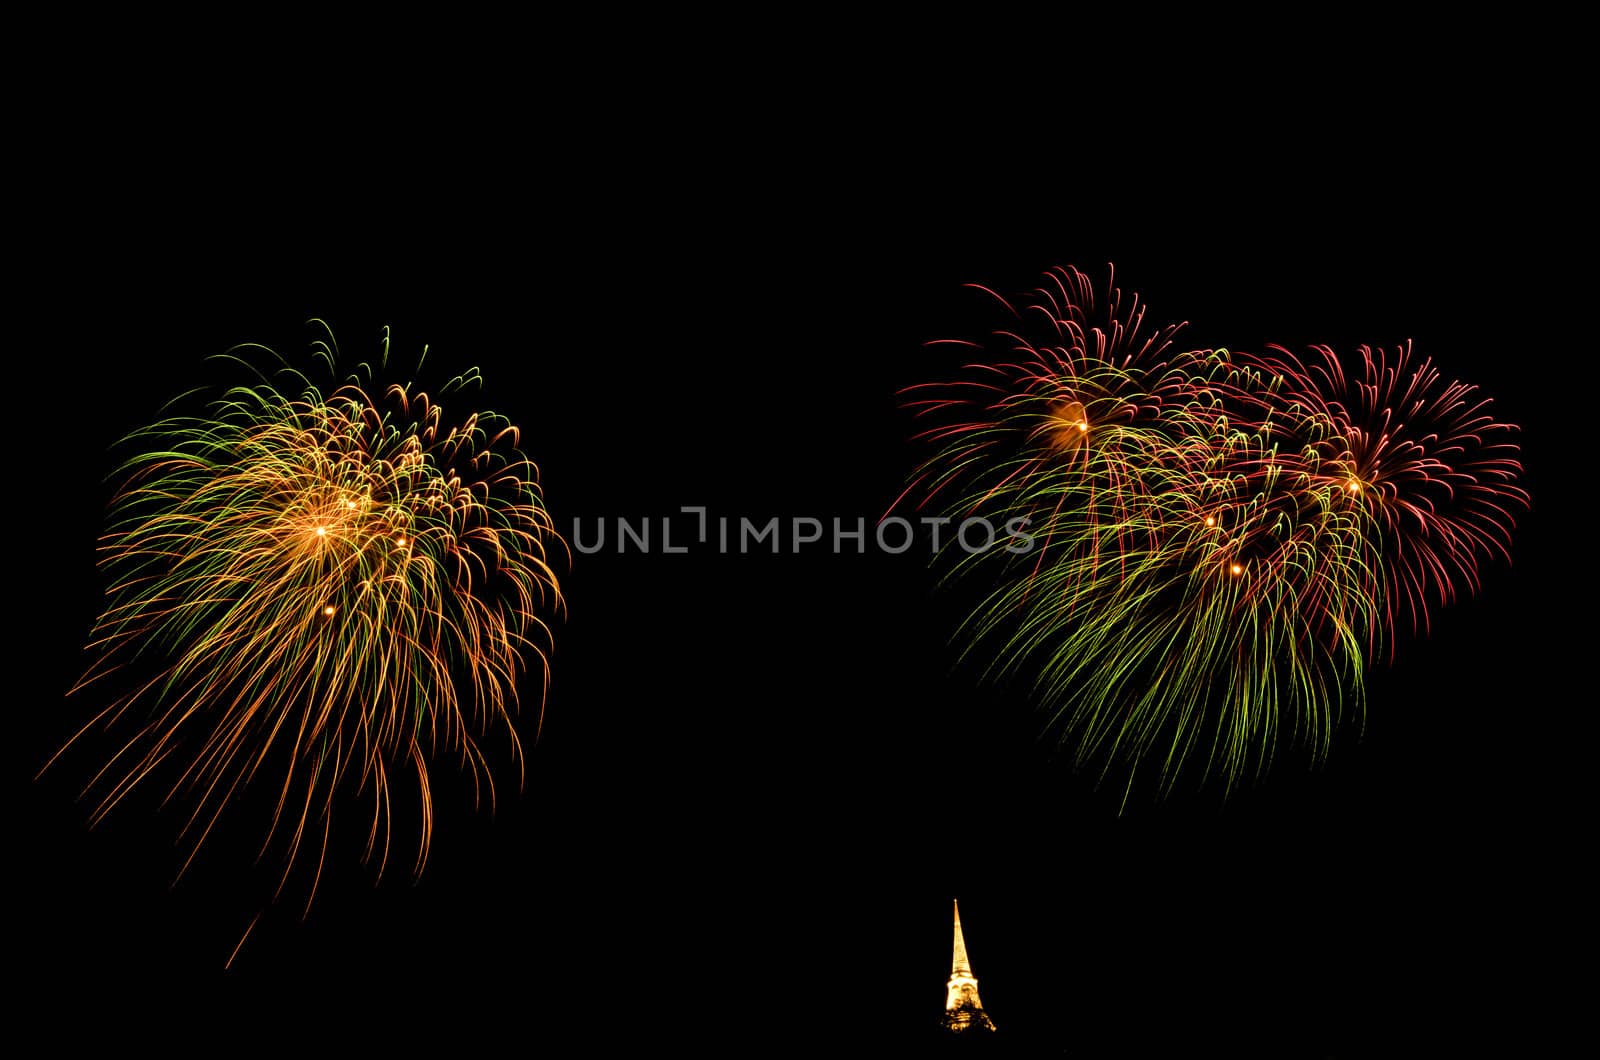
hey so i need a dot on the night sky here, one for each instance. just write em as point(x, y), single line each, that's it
point(762, 778)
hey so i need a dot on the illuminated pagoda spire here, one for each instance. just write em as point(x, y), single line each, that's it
point(962, 1010)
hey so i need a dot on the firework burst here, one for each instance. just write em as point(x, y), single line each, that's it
point(1077, 427)
point(1220, 538)
point(317, 593)
point(1420, 457)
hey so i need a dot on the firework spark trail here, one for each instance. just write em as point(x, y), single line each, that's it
point(330, 589)
point(1221, 537)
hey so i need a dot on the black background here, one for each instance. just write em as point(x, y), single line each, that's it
point(761, 780)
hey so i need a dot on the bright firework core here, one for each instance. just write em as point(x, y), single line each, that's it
point(1069, 426)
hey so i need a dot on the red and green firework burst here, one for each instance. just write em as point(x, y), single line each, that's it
point(1220, 538)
